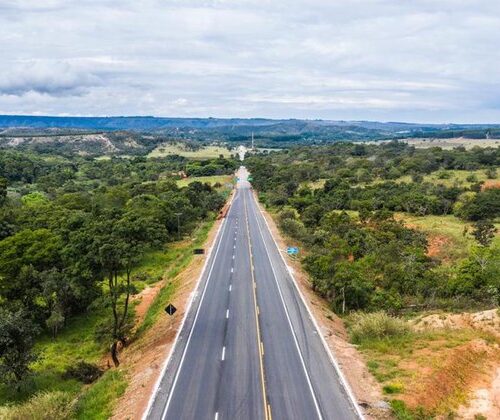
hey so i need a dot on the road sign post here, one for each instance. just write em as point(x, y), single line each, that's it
point(170, 310)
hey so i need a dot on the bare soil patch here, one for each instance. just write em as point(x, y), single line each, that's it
point(455, 371)
point(488, 321)
point(490, 184)
point(145, 298)
point(485, 400)
point(438, 246)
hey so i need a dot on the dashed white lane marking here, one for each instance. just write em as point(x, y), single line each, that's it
point(223, 353)
point(216, 416)
point(233, 257)
point(232, 269)
point(230, 287)
point(227, 314)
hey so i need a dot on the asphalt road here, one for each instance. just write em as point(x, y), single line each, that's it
point(248, 348)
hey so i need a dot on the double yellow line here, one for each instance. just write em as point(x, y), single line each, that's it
point(260, 344)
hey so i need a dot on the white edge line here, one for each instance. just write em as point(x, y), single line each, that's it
point(177, 373)
point(343, 380)
point(193, 295)
point(318, 411)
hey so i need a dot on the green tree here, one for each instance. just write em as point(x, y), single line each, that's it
point(3, 191)
point(17, 337)
point(484, 232)
point(121, 246)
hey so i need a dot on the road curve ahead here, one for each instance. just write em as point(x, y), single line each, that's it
point(248, 348)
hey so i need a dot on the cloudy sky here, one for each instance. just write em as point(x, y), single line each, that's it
point(405, 60)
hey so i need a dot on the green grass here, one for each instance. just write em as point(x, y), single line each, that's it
point(75, 342)
point(401, 412)
point(97, 402)
point(221, 179)
point(449, 226)
point(394, 388)
point(375, 325)
point(56, 405)
point(316, 185)
point(181, 258)
point(453, 177)
point(208, 152)
point(449, 144)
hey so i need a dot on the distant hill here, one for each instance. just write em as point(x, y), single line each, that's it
point(266, 131)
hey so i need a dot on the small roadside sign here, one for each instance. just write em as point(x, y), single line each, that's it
point(198, 251)
point(170, 309)
point(292, 250)
point(250, 179)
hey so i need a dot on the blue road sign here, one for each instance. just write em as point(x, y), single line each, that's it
point(292, 250)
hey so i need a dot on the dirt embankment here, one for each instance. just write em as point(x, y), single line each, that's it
point(144, 358)
point(353, 366)
point(488, 321)
point(469, 373)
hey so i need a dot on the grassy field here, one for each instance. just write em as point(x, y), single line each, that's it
point(452, 143)
point(208, 152)
point(221, 179)
point(447, 178)
point(450, 178)
point(77, 341)
point(449, 231)
point(97, 402)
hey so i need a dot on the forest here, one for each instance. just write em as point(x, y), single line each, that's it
point(346, 204)
point(72, 232)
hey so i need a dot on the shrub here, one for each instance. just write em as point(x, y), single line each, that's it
point(471, 178)
point(393, 388)
point(376, 325)
point(83, 372)
point(293, 228)
point(55, 405)
point(443, 175)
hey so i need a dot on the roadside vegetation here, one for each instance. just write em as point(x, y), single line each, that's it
point(389, 233)
point(78, 239)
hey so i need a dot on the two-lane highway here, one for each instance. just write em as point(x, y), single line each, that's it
point(248, 348)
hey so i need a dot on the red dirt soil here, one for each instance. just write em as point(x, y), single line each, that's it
point(437, 245)
point(490, 184)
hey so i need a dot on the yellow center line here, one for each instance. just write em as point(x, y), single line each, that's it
point(267, 407)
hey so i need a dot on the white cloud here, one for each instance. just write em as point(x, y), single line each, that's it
point(50, 78)
point(362, 59)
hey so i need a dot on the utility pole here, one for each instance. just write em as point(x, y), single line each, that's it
point(178, 225)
